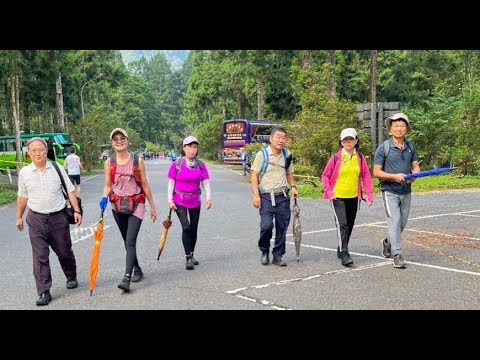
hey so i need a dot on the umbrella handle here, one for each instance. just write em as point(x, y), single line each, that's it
point(295, 201)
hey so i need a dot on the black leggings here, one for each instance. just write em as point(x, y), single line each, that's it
point(189, 228)
point(129, 227)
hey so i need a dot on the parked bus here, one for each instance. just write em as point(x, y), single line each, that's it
point(58, 148)
point(241, 132)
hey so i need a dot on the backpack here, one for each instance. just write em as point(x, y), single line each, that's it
point(288, 160)
point(200, 165)
point(197, 162)
point(386, 148)
point(128, 204)
point(359, 154)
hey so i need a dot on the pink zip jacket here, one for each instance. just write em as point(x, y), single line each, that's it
point(330, 175)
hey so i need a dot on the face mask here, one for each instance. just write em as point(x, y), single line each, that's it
point(190, 152)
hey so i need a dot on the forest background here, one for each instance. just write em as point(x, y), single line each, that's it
point(314, 93)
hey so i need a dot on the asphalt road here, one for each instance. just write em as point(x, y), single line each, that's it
point(442, 250)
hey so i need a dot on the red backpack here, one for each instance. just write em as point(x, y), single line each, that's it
point(120, 203)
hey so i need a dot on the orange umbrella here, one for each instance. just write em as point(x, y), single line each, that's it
point(97, 239)
point(163, 238)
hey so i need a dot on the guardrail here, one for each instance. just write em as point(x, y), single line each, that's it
point(9, 171)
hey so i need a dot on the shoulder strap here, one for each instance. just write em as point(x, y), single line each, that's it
point(386, 148)
point(113, 168)
point(264, 167)
point(409, 144)
point(200, 164)
point(136, 172)
point(360, 157)
point(178, 162)
point(64, 186)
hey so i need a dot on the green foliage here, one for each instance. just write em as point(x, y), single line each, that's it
point(316, 129)
point(210, 137)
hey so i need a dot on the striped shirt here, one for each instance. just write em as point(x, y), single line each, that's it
point(43, 189)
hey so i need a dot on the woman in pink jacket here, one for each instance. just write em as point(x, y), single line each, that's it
point(342, 179)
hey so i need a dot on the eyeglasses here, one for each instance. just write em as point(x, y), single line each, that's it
point(37, 151)
point(121, 139)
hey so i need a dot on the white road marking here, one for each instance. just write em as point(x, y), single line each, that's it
point(434, 233)
point(237, 292)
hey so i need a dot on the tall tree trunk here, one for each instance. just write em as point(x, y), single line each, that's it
point(15, 109)
point(260, 95)
point(59, 103)
point(240, 105)
point(307, 59)
point(52, 122)
point(331, 79)
point(373, 98)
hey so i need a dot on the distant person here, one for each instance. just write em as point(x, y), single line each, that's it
point(40, 187)
point(271, 195)
point(344, 176)
point(73, 165)
point(245, 162)
point(393, 159)
point(127, 187)
point(186, 176)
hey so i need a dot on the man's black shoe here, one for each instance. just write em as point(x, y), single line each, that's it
point(44, 298)
point(278, 261)
point(72, 283)
point(137, 274)
point(265, 258)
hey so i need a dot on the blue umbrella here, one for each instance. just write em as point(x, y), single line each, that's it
point(429, 172)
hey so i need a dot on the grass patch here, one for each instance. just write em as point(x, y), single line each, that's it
point(425, 184)
point(8, 193)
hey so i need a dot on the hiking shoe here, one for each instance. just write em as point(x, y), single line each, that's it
point(398, 262)
point(265, 258)
point(278, 261)
point(72, 283)
point(195, 261)
point(44, 298)
point(125, 283)
point(137, 274)
point(189, 263)
point(345, 257)
point(386, 248)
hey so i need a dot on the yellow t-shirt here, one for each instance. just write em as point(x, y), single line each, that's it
point(346, 185)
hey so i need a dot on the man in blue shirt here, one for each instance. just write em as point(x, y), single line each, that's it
point(393, 160)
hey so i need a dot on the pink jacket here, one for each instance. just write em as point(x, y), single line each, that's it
point(330, 175)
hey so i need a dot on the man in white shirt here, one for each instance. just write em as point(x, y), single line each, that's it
point(40, 187)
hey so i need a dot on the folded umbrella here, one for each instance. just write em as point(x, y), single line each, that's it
point(97, 239)
point(163, 238)
point(297, 228)
point(429, 172)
